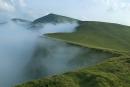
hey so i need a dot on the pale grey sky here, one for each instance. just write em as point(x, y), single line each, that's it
point(117, 11)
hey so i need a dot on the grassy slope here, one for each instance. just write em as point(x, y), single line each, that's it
point(114, 72)
point(99, 35)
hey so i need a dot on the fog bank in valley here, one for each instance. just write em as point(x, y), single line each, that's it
point(17, 47)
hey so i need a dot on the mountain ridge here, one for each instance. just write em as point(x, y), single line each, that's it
point(54, 18)
point(114, 72)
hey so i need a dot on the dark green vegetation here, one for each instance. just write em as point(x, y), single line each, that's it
point(53, 18)
point(114, 72)
point(67, 57)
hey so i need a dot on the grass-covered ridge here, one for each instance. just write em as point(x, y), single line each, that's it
point(114, 72)
point(98, 35)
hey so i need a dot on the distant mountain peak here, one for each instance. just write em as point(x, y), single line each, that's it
point(20, 20)
point(55, 15)
point(52, 14)
point(54, 18)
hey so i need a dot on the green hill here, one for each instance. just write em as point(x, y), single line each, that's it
point(98, 35)
point(114, 72)
point(53, 18)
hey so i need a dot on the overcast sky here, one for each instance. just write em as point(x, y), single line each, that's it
point(117, 11)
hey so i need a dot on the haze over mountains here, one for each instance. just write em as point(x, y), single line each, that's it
point(38, 49)
point(55, 44)
point(96, 42)
point(20, 39)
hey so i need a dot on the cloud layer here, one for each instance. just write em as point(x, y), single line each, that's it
point(116, 11)
point(115, 5)
point(6, 5)
point(95, 10)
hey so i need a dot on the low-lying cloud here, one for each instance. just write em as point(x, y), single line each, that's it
point(17, 47)
point(56, 57)
point(58, 28)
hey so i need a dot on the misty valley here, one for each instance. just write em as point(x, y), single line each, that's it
point(27, 53)
point(64, 43)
